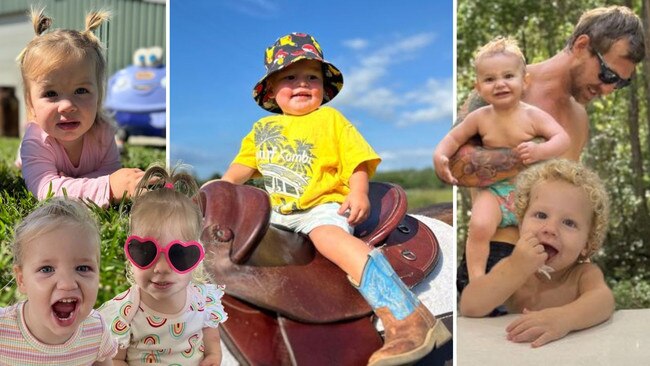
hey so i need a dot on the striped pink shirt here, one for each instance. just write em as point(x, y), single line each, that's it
point(91, 342)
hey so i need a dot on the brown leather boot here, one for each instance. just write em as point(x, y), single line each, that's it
point(410, 330)
point(409, 339)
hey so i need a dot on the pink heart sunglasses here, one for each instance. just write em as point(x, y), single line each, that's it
point(181, 256)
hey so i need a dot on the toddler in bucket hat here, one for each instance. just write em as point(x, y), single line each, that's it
point(316, 167)
point(288, 50)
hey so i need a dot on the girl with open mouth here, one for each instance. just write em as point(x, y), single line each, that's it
point(56, 265)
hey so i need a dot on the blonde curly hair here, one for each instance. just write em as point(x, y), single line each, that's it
point(500, 45)
point(577, 175)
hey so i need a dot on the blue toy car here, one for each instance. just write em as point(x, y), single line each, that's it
point(136, 95)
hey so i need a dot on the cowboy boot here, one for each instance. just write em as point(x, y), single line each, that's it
point(410, 330)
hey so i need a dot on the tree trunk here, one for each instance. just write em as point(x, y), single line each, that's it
point(645, 14)
point(636, 162)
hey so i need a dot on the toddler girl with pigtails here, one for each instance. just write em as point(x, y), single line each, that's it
point(56, 251)
point(69, 145)
point(168, 316)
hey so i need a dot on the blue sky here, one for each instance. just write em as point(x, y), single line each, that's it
point(396, 59)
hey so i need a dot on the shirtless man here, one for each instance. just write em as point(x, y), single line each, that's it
point(599, 57)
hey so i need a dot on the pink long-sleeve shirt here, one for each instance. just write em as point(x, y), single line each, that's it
point(45, 161)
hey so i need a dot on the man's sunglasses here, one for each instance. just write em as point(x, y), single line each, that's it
point(609, 76)
point(182, 257)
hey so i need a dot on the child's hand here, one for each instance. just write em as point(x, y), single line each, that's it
point(529, 255)
point(124, 180)
point(212, 359)
point(537, 327)
point(442, 169)
point(359, 206)
point(529, 152)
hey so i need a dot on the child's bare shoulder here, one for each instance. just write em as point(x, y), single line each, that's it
point(480, 111)
point(583, 277)
point(480, 115)
point(589, 274)
point(586, 267)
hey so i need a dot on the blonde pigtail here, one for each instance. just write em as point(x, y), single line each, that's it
point(157, 177)
point(94, 20)
point(185, 183)
point(41, 23)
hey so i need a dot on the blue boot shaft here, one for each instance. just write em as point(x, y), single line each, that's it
point(382, 287)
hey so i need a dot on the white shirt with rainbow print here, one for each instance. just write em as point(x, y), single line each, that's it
point(153, 338)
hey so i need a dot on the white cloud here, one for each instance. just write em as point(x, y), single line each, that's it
point(380, 101)
point(435, 102)
point(399, 50)
point(364, 89)
point(356, 43)
point(364, 78)
point(409, 158)
point(402, 154)
point(186, 154)
point(416, 42)
point(254, 8)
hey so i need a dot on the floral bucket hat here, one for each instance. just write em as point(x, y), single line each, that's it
point(287, 50)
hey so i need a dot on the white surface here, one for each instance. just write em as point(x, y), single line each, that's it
point(146, 140)
point(622, 340)
point(228, 359)
point(438, 292)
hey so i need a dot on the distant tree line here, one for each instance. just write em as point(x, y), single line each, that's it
point(407, 178)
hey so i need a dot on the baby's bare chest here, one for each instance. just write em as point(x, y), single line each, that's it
point(542, 296)
point(508, 134)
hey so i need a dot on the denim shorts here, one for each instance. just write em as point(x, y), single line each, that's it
point(306, 221)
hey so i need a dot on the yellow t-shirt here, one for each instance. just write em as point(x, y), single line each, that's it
point(306, 160)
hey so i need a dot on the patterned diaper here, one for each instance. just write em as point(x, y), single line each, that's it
point(504, 191)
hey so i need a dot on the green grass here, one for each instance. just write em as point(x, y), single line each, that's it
point(8, 150)
point(423, 197)
point(16, 202)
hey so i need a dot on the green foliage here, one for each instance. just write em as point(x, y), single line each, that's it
point(631, 293)
point(412, 178)
point(142, 157)
point(16, 202)
point(214, 176)
point(625, 253)
point(423, 188)
point(542, 29)
point(422, 197)
point(114, 224)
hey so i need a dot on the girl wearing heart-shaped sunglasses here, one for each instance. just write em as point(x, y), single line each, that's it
point(169, 315)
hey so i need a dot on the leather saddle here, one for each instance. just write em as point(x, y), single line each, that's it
point(287, 304)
